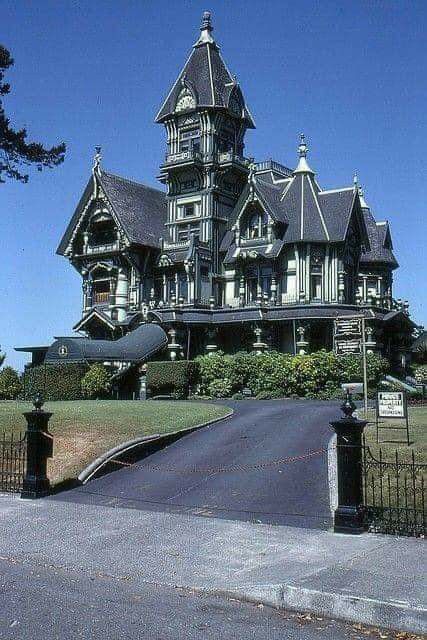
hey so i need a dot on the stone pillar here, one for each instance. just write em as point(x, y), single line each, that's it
point(302, 343)
point(174, 347)
point(349, 517)
point(39, 448)
point(211, 345)
point(259, 346)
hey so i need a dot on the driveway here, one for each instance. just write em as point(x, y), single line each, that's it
point(266, 464)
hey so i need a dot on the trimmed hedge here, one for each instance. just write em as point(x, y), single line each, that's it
point(274, 374)
point(170, 378)
point(56, 381)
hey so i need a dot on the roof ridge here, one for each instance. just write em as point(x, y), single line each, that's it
point(139, 184)
point(322, 191)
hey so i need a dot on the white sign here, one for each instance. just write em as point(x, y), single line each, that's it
point(391, 404)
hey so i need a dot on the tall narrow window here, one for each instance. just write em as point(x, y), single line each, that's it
point(316, 287)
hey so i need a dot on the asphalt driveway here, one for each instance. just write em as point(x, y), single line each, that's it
point(264, 464)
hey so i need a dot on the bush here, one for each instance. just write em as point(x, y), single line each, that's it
point(10, 384)
point(351, 368)
point(269, 395)
point(96, 383)
point(420, 374)
point(171, 378)
point(273, 374)
point(55, 381)
point(220, 388)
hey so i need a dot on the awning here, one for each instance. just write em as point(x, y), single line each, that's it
point(136, 346)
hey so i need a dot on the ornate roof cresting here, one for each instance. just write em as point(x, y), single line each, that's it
point(97, 160)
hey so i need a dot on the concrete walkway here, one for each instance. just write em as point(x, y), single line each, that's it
point(378, 580)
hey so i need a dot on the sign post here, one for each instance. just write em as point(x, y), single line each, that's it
point(394, 406)
point(350, 337)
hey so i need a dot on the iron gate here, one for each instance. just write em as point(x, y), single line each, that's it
point(13, 450)
point(394, 494)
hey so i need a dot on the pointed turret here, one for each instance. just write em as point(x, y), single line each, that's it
point(205, 82)
point(303, 166)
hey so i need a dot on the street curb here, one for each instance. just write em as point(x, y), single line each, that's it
point(398, 616)
point(138, 448)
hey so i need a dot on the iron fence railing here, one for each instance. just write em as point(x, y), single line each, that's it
point(13, 449)
point(394, 493)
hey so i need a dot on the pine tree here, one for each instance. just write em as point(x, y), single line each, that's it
point(15, 151)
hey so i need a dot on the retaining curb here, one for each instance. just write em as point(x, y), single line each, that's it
point(138, 448)
point(397, 616)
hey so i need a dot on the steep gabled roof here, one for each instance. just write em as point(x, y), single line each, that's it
point(140, 210)
point(381, 247)
point(207, 76)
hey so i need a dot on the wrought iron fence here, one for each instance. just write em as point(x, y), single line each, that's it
point(394, 493)
point(13, 449)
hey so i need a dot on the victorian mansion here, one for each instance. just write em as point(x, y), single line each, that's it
point(232, 253)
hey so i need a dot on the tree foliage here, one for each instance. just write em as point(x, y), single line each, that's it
point(15, 150)
point(96, 383)
point(10, 384)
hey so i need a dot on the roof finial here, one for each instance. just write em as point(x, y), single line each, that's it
point(355, 181)
point(362, 198)
point(206, 29)
point(302, 147)
point(303, 166)
point(97, 159)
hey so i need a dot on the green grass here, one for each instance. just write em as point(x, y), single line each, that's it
point(393, 439)
point(83, 430)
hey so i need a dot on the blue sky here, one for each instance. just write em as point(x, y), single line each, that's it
point(351, 75)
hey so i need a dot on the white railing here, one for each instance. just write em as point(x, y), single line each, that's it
point(101, 248)
point(182, 156)
point(288, 298)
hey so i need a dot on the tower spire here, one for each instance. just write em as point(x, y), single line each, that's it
point(303, 166)
point(206, 29)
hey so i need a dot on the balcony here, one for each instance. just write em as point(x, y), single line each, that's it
point(183, 157)
point(229, 157)
point(101, 297)
point(101, 248)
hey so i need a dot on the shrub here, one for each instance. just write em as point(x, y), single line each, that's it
point(171, 378)
point(55, 381)
point(420, 374)
point(269, 395)
point(96, 383)
point(351, 368)
point(220, 388)
point(10, 384)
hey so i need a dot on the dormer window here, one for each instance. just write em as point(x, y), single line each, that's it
point(102, 230)
point(256, 226)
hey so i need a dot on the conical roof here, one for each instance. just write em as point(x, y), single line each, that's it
point(207, 78)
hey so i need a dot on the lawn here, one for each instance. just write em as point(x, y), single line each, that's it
point(83, 430)
point(392, 439)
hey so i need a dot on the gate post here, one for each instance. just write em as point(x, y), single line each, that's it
point(39, 448)
point(349, 516)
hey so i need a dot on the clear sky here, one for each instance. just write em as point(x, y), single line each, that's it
point(350, 74)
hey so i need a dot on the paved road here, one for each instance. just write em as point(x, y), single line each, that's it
point(47, 602)
point(193, 475)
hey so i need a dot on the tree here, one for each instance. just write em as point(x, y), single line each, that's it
point(15, 151)
point(96, 382)
point(10, 384)
point(2, 357)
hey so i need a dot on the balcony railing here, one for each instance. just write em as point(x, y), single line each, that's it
point(100, 297)
point(182, 157)
point(230, 156)
point(101, 248)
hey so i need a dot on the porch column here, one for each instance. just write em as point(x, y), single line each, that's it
point(173, 347)
point(259, 346)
